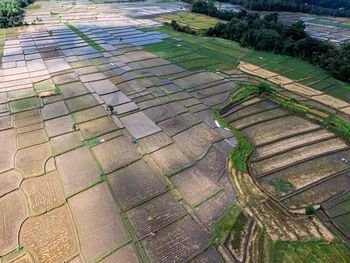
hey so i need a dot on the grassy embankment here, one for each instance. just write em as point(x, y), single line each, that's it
point(87, 39)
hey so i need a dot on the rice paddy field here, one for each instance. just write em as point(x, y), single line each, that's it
point(193, 52)
point(193, 20)
point(300, 71)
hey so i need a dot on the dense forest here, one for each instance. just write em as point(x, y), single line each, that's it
point(320, 7)
point(11, 12)
point(266, 33)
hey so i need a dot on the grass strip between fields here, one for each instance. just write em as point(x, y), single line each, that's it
point(87, 39)
point(223, 226)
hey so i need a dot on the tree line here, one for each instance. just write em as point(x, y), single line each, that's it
point(267, 33)
point(318, 7)
point(11, 12)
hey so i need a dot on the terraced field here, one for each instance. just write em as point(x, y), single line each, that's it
point(295, 161)
point(110, 152)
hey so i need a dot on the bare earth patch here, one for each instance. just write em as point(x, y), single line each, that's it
point(77, 174)
point(44, 192)
point(13, 212)
point(50, 237)
point(96, 216)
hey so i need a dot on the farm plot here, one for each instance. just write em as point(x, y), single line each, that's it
point(14, 211)
point(124, 254)
point(320, 193)
point(244, 110)
point(115, 153)
point(31, 161)
point(98, 224)
point(303, 174)
point(176, 242)
point(336, 213)
point(178, 123)
point(269, 131)
point(192, 52)
point(153, 215)
point(55, 228)
point(193, 20)
point(259, 117)
point(9, 181)
point(77, 175)
point(196, 141)
point(290, 143)
point(297, 155)
point(136, 184)
point(44, 192)
point(196, 184)
point(170, 159)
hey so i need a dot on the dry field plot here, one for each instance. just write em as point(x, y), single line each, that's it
point(81, 103)
point(98, 127)
point(72, 90)
point(250, 109)
point(195, 141)
point(195, 184)
point(8, 149)
point(44, 192)
point(136, 184)
point(259, 117)
point(122, 255)
point(9, 181)
point(170, 159)
point(13, 211)
point(77, 175)
point(115, 153)
point(54, 228)
point(320, 193)
point(31, 138)
point(155, 214)
point(269, 131)
point(178, 123)
point(306, 173)
point(297, 155)
point(59, 126)
point(176, 242)
point(89, 114)
point(294, 159)
point(31, 161)
point(97, 220)
point(290, 143)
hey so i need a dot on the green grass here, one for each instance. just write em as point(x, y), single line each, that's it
point(238, 231)
point(88, 40)
point(281, 185)
point(194, 21)
point(194, 52)
point(224, 225)
point(309, 252)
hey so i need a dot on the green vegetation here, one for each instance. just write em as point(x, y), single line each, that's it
point(88, 40)
point(267, 33)
point(281, 185)
point(193, 52)
point(239, 231)
point(91, 142)
point(110, 109)
point(11, 12)
point(309, 252)
point(224, 225)
point(194, 21)
point(309, 210)
point(319, 7)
